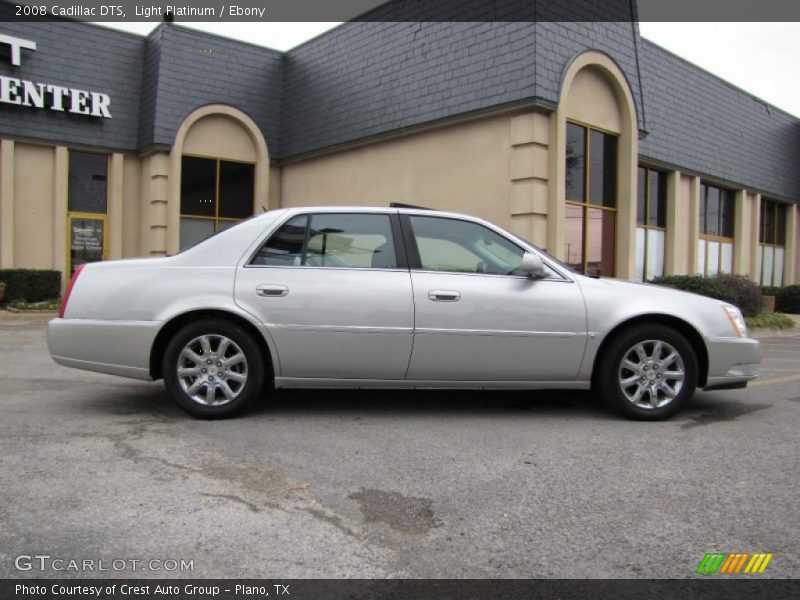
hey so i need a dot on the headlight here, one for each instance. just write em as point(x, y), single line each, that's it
point(736, 319)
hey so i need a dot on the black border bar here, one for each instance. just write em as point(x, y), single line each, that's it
point(713, 586)
point(400, 10)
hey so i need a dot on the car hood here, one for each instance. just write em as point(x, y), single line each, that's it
point(638, 287)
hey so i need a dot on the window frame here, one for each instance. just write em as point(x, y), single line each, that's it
point(705, 238)
point(646, 217)
point(763, 207)
point(401, 259)
point(585, 204)
point(101, 216)
point(216, 218)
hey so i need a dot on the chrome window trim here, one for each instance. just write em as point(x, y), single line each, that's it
point(307, 268)
point(408, 270)
point(523, 277)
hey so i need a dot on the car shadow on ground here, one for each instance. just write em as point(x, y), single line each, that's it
point(152, 398)
point(416, 402)
point(706, 408)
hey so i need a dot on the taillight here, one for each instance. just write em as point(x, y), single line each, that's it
point(69, 290)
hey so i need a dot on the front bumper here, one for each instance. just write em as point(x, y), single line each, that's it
point(732, 362)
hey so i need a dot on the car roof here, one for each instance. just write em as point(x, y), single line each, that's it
point(369, 209)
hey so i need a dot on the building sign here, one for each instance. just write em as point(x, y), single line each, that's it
point(86, 240)
point(22, 92)
point(87, 236)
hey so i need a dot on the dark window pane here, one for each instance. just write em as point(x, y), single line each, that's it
point(573, 236)
point(236, 185)
point(198, 186)
point(703, 202)
point(641, 197)
point(351, 241)
point(87, 182)
point(576, 162)
point(285, 246)
point(727, 214)
point(767, 222)
point(603, 169)
point(712, 211)
point(657, 210)
point(780, 224)
point(600, 242)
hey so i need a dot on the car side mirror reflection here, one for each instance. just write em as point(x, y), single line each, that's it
point(532, 265)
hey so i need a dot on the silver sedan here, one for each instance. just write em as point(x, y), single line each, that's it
point(344, 297)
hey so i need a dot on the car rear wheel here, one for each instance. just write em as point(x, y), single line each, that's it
point(213, 368)
point(648, 373)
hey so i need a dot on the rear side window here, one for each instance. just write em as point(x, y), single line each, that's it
point(285, 247)
point(355, 241)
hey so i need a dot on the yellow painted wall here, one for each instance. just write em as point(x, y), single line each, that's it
point(219, 136)
point(34, 168)
point(591, 99)
point(681, 237)
point(463, 167)
point(132, 208)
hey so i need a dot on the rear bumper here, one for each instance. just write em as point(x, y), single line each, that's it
point(114, 347)
point(732, 362)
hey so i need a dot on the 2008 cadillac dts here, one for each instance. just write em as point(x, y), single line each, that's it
point(391, 297)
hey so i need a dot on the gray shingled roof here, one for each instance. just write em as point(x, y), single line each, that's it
point(80, 56)
point(367, 79)
point(186, 69)
point(701, 123)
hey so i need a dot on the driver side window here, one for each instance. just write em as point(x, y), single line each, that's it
point(458, 246)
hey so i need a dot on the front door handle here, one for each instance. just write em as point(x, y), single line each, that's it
point(272, 290)
point(444, 295)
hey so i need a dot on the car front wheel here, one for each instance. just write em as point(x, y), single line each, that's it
point(648, 373)
point(213, 368)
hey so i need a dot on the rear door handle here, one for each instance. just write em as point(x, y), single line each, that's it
point(271, 290)
point(444, 295)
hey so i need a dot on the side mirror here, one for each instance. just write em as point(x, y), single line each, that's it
point(532, 264)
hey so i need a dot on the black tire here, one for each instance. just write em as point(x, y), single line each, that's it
point(625, 399)
point(253, 369)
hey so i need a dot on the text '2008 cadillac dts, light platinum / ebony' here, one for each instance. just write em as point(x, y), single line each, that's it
point(353, 297)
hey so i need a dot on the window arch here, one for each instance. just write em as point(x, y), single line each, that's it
point(217, 142)
point(596, 111)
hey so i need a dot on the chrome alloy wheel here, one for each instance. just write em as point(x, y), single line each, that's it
point(212, 369)
point(651, 374)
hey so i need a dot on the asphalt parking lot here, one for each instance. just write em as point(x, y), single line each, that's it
point(391, 484)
